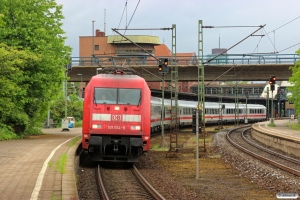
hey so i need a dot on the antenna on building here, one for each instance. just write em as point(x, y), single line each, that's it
point(104, 21)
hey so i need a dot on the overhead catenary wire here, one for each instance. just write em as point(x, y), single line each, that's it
point(125, 8)
point(283, 25)
point(131, 16)
point(289, 47)
point(228, 26)
point(273, 31)
point(260, 27)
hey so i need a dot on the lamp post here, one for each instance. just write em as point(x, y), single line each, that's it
point(93, 43)
point(80, 82)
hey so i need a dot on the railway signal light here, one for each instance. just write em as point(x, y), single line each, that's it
point(163, 65)
point(82, 95)
point(272, 82)
point(272, 79)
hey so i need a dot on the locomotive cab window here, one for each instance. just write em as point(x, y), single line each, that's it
point(117, 96)
point(129, 96)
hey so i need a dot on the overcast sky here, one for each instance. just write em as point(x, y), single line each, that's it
point(281, 17)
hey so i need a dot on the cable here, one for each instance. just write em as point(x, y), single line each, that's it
point(275, 50)
point(122, 14)
point(289, 47)
point(271, 41)
point(125, 7)
point(284, 24)
point(258, 44)
point(132, 16)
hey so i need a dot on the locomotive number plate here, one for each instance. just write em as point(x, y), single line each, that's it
point(116, 127)
point(116, 118)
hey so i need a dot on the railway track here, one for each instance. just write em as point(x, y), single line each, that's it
point(124, 183)
point(240, 138)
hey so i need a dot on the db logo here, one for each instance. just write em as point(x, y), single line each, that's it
point(116, 118)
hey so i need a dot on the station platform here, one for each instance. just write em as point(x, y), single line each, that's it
point(281, 136)
point(28, 167)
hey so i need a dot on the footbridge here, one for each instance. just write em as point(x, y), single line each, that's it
point(228, 67)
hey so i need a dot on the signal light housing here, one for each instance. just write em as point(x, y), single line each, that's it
point(272, 82)
point(163, 65)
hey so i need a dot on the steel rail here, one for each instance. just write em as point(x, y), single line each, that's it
point(100, 184)
point(283, 167)
point(145, 183)
point(293, 160)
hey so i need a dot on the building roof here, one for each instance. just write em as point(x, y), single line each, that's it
point(162, 50)
point(141, 39)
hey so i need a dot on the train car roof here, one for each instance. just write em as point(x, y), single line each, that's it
point(193, 104)
point(119, 76)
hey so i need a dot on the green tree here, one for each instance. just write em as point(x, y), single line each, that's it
point(295, 80)
point(74, 107)
point(33, 56)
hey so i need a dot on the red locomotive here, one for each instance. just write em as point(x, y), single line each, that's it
point(116, 117)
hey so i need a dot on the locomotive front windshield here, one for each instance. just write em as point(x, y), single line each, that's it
point(117, 96)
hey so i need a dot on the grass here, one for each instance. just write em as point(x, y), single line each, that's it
point(61, 163)
point(272, 125)
point(294, 126)
point(201, 140)
point(54, 197)
point(157, 147)
point(50, 164)
point(74, 141)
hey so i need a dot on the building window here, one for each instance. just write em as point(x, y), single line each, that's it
point(96, 47)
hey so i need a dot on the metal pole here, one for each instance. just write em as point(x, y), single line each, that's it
point(247, 95)
point(80, 88)
point(272, 120)
point(267, 105)
point(93, 44)
point(163, 112)
point(197, 143)
point(66, 95)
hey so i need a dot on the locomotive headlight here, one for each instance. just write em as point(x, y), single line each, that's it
point(117, 108)
point(146, 138)
point(96, 126)
point(136, 128)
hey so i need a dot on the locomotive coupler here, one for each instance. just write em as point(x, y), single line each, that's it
point(116, 146)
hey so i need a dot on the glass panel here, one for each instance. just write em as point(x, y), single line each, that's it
point(129, 96)
point(105, 95)
point(117, 96)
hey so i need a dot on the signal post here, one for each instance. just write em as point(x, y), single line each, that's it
point(272, 82)
point(163, 69)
